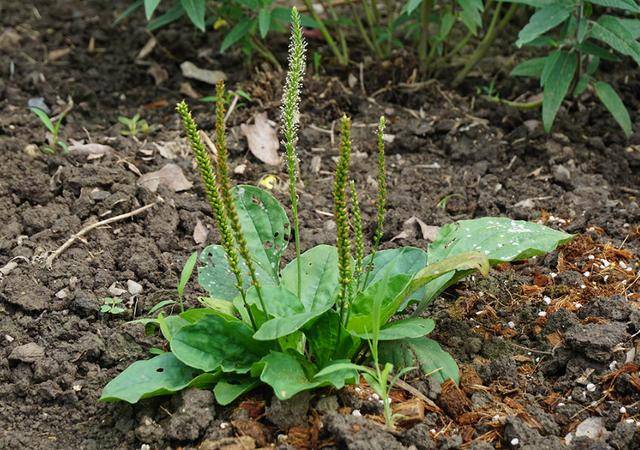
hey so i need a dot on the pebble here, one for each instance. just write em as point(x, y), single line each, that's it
point(515, 441)
point(356, 413)
point(547, 300)
point(133, 287)
point(591, 387)
point(511, 325)
point(542, 314)
point(623, 410)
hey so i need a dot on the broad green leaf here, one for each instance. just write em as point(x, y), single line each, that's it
point(282, 326)
point(193, 315)
point(627, 5)
point(396, 261)
point(413, 327)
point(582, 84)
point(471, 14)
point(549, 64)
point(228, 389)
point(186, 272)
point(239, 31)
point(170, 325)
point(46, 121)
point(387, 294)
point(326, 343)
point(499, 238)
point(595, 50)
point(149, 7)
point(411, 6)
point(265, 225)
point(319, 267)
point(447, 20)
point(632, 26)
point(612, 101)
point(422, 352)
point(287, 376)
point(195, 9)
point(264, 22)
point(216, 276)
point(544, 20)
point(171, 15)
point(161, 375)
point(287, 312)
point(611, 31)
point(223, 307)
point(530, 68)
point(216, 343)
point(557, 87)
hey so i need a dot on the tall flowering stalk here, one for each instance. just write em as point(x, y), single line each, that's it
point(358, 234)
point(341, 215)
point(224, 185)
point(289, 117)
point(211, 188)
point(381, 201)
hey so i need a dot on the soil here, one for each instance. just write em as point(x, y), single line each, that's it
point(547, 348)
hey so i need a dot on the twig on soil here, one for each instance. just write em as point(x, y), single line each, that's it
point(232, 106)
point(85, 230)
point(411, 390)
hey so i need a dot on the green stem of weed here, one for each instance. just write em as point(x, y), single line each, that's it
point(481, 51)
point(525, 106)
point(423, 43)
point(343, 59)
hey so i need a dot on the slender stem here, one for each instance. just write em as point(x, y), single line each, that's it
point(343, 60)
point(423, 43)
point(343, 40)
point(487, 41)
point(363, 32)
point(518, 105)
point(265, 52)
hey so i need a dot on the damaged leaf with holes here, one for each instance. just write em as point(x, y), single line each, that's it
point(303, 324)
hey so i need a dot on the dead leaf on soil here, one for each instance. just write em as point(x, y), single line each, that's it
point(262, 139)
point(170, 175)
point(54, 55)
point(200, 233)
point(90, 149)
point(168, 149)
point(190, 70)
point(9, 38)
point(189, 91)
point(410, 230)
point(159, 73)
point(148, 48)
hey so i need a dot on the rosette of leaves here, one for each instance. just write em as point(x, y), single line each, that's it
point(215, 346)
point(579, 35)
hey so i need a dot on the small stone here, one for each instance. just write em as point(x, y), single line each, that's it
point(591, 387)
point(356, 413)
point(511, 325)
point(515, 441)
point(561, 174)
point(547, 300)
point(542, 314)
point(133, 287)
point(27, 353)
point(623, 410)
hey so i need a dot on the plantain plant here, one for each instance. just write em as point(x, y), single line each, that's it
point(301, 326)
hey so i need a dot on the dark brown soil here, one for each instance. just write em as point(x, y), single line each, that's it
point(528, 379)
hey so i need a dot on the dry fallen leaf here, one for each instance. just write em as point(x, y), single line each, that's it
point(148, 48)
point(170, 176)
point(200, 233)
point(90, 149)
point(190, 70)
point(410, 228)
point(262, 139)
point(167, 149)
point(189, 91)
point(58, 53)
point(159, 73)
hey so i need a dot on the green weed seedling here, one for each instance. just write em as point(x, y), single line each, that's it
point(579, 34)
point(304, 325)
point(112, 305)
point(134, 126)
point(54, 129)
